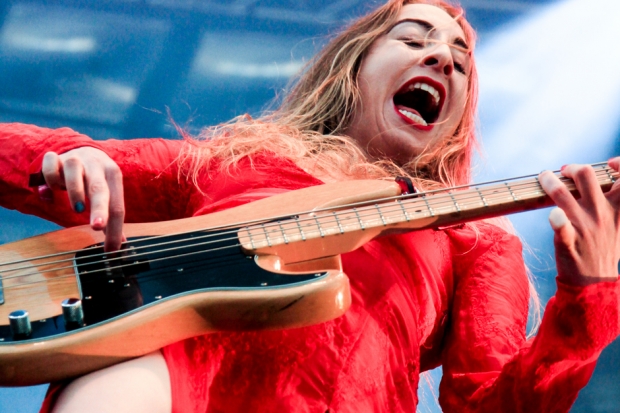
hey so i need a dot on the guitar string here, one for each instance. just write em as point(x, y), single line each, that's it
point(280, 225)
point(385, 211)
point(410, 197)
point(437, 201)
point(131, 264)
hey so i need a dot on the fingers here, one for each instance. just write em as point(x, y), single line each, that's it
point(613, 196)
point(587, 184)
point(63, 174)
point(89, 173)
point(51, 168)
point(74, 183)
point(116, 217)
point(105, 191)
point(560, 194)
point(564, 230)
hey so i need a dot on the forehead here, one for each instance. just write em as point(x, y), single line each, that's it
point(433, 15)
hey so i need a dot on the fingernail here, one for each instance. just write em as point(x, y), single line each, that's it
point(557, 218)
point(79, 207)
point(562, 168)
point(98, 221)
point(46, 194)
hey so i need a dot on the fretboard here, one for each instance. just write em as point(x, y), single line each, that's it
point(418, 211)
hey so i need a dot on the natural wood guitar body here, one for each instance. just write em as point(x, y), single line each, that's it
point(192, 313)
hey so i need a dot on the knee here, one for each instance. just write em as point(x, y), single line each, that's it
point(138, 385)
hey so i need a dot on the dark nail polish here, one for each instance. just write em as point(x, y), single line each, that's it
point(79, 207)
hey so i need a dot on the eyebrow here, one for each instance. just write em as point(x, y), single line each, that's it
point(428, 27)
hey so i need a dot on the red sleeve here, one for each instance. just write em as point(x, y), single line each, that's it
point(152, 189)
point(488, 366)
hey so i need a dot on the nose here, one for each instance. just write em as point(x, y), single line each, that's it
point(440, 59)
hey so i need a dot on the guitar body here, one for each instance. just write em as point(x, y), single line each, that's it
point(169, 287)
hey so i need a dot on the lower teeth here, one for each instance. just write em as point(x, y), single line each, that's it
point(413, 117)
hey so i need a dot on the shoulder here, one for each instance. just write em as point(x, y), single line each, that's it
point(265, 170)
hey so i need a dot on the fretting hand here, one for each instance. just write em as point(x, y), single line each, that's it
point(587, 230)
point(90, 172)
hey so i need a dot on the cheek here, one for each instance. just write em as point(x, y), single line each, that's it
point(459, 104)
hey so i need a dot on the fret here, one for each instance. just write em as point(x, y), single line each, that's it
point(403, 208)
point(359, 219)
point(462, 203)
point(318, 224)
point(428, 206)
point(251, 240)
point(266, 235)
point(514, 197)
point(458, 208)
point(338, 222)
point(301, 231)
point(381, 215)
point(611, 177)
point(539, 186)
point(283, 233)
point(484, 201)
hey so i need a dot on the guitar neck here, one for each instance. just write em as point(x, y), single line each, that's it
point(329, 232)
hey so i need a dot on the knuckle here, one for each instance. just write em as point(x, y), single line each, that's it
point(72, 185)
point(97, 187)
point(584, 172)
point(48, 165)
point(556, 191)
point(72, 162)
point(49, 156)
point(117, 211)
point(113, 171)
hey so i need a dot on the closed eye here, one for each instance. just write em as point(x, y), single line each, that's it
point(459, 68)
point(416, 44)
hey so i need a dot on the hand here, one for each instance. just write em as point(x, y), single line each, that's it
point(587, 231)
point(90, 172)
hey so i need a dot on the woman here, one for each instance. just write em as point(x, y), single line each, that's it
point(401, 84)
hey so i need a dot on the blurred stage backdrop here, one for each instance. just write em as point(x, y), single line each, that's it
point(550, 92)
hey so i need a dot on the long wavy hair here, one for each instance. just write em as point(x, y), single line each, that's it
point(309, 125)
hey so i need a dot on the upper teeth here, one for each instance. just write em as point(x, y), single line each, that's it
point(428, 88)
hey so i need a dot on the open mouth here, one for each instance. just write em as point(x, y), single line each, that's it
point(419, 101)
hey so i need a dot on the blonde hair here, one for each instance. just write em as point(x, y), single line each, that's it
point(308, 127)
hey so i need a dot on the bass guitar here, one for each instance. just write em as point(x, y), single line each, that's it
point(68, 308)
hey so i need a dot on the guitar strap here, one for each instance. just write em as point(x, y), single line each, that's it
point(406, 185)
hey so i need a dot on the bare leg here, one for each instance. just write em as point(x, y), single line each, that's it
point(139, 385)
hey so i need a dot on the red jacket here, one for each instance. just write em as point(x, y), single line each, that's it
point(455, 297)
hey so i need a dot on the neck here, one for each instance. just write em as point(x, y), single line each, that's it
point(432, 209)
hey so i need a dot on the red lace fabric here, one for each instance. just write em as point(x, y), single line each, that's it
point(456, 297)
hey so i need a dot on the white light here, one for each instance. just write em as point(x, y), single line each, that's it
point(114, 91)
point(550, 90)
point(42, 44)
point(270, 70)
point(250, 55)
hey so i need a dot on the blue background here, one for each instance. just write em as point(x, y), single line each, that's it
point(550, 93)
